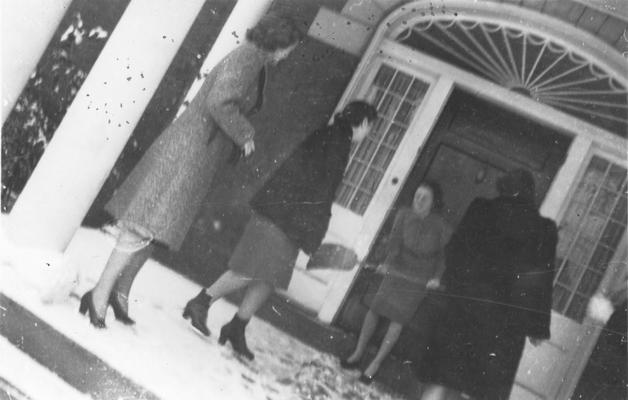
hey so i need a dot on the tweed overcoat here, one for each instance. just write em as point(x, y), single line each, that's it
point(165, 190)
point(499, 275)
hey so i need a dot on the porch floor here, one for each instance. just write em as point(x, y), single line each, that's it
point(159, 357)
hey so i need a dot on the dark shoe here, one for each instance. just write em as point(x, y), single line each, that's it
point(234, 332)
point(350, 364)
point(118, 311)
point(365, 379)
point(196, 310)
point(87, 304)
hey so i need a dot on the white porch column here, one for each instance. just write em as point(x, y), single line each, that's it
point(99, 122)
point(27, 27)
point(244, 15)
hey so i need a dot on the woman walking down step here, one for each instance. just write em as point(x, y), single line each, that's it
point(290, 212)
point(160, 198)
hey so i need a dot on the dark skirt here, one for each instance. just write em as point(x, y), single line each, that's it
point(264, 253)
point(398, 299)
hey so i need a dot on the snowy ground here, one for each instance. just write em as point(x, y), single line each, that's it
point(161, 352)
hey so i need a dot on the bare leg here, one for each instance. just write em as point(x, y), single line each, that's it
point(118, 260)
point(391, 337)
point(228, 282)
point(123, 285)
point(255, 296)
point(366, 333)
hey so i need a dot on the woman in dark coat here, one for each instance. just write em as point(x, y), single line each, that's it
point(500, 269)
point(414, 263)
point(290, 212)
point(160, 198)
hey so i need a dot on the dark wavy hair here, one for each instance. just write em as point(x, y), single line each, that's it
point(437, 193)
point(355, 112)
point(517, 183)
point(274, 32)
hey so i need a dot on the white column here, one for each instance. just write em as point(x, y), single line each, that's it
point(99, 122)
point(245, 14)
point(27, 27)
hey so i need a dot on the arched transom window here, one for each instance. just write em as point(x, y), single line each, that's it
point(523, 58)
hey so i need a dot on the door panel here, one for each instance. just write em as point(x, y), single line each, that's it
point(367, 190)
point(457, 172)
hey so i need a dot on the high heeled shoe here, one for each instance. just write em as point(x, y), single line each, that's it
point(118, 311)
point(87, 304)
point(196, 311)
point(234, 333)
point(365, 379)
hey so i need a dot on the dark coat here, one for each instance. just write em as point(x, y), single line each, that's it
point(500, 270)
point(298, 196)
point(166, 189)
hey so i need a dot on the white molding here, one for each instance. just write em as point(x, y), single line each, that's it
point(571, 37)
point(369, 12)
point(524, 105)
point(566, 179)
point(340, 32)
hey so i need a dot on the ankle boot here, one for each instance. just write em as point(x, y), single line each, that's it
point(234, 332)
point(196, 310)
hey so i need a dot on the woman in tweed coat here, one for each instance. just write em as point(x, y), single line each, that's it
point(160, 198)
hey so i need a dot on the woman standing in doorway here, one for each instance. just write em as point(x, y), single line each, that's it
point(414, 264)
point(161, 197)
point(290, 212)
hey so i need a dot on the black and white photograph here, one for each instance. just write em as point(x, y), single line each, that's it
point(314, 200)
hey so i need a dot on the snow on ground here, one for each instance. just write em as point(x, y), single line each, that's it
point(18, 372)
point(161, 352)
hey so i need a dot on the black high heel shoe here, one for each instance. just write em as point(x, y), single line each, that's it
point(118, 310)
point(196, 311)
point(87, 304)
point(234, 332)
point(365, 379)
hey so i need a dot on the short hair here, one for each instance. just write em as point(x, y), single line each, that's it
point(437, 193)
point(356, 112)
point(274, 32)
point(518, 183)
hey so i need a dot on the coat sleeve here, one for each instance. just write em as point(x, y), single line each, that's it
point(225, 98)
point(466, 242)
point(532, 289)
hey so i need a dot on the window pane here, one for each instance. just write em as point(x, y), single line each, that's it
point(589, 236)
point(577, 306)
point(589, 283)
point(397, 97)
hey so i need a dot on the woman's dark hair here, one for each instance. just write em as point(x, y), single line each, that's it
point(274, 32)
point(437, 194)
point(356, 112)
point(517, 183)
